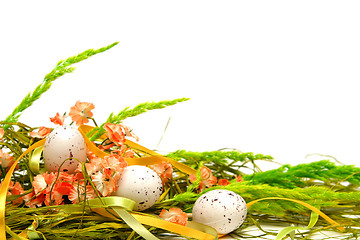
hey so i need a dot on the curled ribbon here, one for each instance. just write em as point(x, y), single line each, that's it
point(120, 207)
point(196, 230)
point(288, 230)
point(5, 186)
point(312, 208)
point(152, 158)
point(34, 161)
point(191, 230)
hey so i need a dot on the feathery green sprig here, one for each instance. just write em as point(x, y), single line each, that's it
point(330, 202)
point(224, 163)
point(142, 108)
point(132, 112)
point(302, 175)
point(61, 68)
point(316, 195)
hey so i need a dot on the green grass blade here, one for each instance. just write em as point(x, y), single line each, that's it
point(132, 112)
point(60, 69)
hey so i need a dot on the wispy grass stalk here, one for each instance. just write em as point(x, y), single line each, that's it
point(61, 68)
point(302, 175)
point(132, 112)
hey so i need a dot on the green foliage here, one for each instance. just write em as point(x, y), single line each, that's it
point(132, 112)
point(224, 163)
point(330, 202)
point(216, 157)
point(303, 175)
point(60, 69)
point(77, 225)
point(332, 188)
point(142, 108)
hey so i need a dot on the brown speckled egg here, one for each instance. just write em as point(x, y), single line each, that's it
point(64, 143)
point(223, 210)
point(140, 184)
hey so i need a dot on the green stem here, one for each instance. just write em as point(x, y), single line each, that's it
point(60, 69)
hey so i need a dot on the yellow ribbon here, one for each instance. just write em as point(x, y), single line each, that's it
point(83, 129)
point(152, 158)
point(285, 231)
point(134, 224)
point(14, 235)
point(5, 186)
point(312, 208)
point(118, 206)
point(191, 230)
point(197, 230)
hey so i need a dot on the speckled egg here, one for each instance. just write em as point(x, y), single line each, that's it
point(64, 143)
point(140, 184)
point(223, 210)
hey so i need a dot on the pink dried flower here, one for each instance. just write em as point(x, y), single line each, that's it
point(174, 215)
point(41, 133)
point(164, 170)
point(207, 179)
point(5, 159)
point(117, 132)
point(58, 119)
point(81, 112)
point(2, 132)
point(223, 182)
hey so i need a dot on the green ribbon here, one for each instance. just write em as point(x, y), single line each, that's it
point(134, 224)
point(31, 230)
point(34, 161)
point(204, 228)
point(121, 207)
point(112, 201)
point(14, 235)
point(289, 230)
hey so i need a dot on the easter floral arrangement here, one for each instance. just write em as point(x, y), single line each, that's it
point(82, 180)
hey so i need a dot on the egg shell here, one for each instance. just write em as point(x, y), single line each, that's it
point(223, 210)
point(64, 142)
point(140, 184)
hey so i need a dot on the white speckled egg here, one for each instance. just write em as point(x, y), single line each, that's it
point(64, 142)
point(223, 210)
point(140, 184)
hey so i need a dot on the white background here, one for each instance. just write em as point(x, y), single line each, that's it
point(271, 77)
